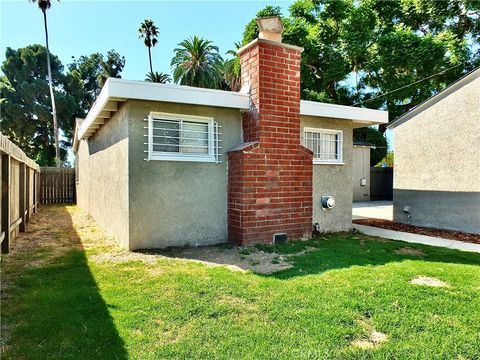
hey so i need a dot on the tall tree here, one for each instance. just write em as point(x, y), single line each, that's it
point(149, 33)
point(44, 5)
point(362, 51)
point(231, 69)
point(26, 108)
point(91, 72)
point(158, 77)
point(198, 63)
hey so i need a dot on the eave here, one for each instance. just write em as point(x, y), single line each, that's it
point(115, 91)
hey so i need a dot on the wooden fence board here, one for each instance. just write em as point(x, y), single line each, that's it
point(57, 185)
point(16, 196)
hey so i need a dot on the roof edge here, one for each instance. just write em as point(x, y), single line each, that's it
point(456, 85)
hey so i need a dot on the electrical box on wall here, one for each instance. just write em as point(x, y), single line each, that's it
point(363, 182)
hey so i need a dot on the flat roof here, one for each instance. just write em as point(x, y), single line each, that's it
point(118, 90)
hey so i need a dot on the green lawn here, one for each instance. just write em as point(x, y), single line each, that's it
point(346, 296)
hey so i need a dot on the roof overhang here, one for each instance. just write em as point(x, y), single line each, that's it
point(468, 78)
point(360, 116)
point(115, 91)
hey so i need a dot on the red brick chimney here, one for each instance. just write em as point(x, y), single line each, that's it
point(270, 174)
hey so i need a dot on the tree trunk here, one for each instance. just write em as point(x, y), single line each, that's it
point(50, 85)
point(150, 59)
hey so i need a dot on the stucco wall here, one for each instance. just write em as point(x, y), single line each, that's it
point(437, 163)
point(361, 170)
point(102, 188)
point(334, 180)
point(176, 203)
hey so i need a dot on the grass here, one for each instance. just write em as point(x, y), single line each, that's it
point(58, 302)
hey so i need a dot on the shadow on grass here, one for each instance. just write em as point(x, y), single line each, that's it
point(346, 250)
point(329, 252)
point(51, 305)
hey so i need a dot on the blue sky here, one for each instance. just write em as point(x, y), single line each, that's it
point(84, 27)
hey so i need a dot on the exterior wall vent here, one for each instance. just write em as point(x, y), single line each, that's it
point(280, 238)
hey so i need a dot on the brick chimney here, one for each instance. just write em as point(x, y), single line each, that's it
point(270, 174)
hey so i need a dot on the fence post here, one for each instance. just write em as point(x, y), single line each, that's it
point(27, 194)
point(6, 203)
point(21, 201)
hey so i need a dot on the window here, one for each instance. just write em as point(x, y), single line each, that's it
point(182, 138)
point(327, 145)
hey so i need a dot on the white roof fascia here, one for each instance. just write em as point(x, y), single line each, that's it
point(359, 115)
point(115, 89)
point(149, 91)
point(97, 107)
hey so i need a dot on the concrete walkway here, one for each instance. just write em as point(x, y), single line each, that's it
point(372, 209)
point(418, 239)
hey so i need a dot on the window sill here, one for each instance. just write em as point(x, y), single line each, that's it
point(193, 158)
point(327, 163)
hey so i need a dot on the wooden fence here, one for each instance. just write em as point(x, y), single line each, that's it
point(19, 177)
point(381, 183)
point(57, 185)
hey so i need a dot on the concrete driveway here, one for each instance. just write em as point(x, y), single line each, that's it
point(372, 209)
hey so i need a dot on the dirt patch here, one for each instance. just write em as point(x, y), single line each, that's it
point(429, 281)
point(123, 257)
point(373, 340)
point(409, 251)
point(234, 258)
point(446, 234)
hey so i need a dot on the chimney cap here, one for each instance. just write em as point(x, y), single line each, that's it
point(271, 28)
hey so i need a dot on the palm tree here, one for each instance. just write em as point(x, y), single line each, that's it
point(158, 77)
point(197, 63)
point(149, 32)
point(231, 69)
point(44, 5)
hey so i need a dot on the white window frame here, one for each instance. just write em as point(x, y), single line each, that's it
point(318, 161)
point(174, 156)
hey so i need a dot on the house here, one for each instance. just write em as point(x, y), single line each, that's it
point(437, 160)
point(361, 170)
point(166, 165)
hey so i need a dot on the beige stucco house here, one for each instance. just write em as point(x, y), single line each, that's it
point(437, 160)
point(361, 171)
point(167, 165)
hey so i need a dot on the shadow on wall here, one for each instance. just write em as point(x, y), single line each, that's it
point(51, 304)
point(450, 210)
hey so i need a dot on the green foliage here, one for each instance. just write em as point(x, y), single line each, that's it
point(91, 72)
point(26, 108)
point(388, 160)
point(357, 50)
point(43, 5)
point(102, 303)
point(26, 116)
point(251, 29)
point(197, 63)
point(149, 33)
point(375, 137)
point(232, 70)
point(158, 77)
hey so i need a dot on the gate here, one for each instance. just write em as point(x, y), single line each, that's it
point(381, 183)
point(57, 185)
